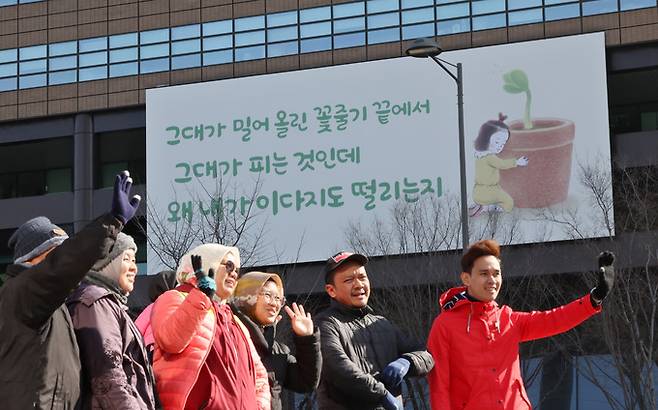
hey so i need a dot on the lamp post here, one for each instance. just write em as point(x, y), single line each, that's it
point(427, 47)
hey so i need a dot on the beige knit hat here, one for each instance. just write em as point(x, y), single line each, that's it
point(211, 256)
point(249, 285)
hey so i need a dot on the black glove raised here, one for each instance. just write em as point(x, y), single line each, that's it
point(122, 207)
point(606, 277)
point(205, 283)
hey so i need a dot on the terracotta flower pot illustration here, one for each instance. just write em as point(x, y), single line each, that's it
point(548, 145)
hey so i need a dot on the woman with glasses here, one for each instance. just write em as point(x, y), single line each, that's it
point(257, 301)
point(204, 357)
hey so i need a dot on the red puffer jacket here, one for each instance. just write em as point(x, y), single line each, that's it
point(184, 326)
point(475, 346)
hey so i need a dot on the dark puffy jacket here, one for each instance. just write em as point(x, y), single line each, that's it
point(299, 373)
point(115, 367)
point(39, 363)
point(356, 346)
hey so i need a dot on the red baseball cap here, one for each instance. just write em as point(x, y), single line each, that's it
point(341, 258)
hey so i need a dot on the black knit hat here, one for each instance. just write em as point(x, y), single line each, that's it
point(35, 237)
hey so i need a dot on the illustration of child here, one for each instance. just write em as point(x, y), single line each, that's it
point(488, 195)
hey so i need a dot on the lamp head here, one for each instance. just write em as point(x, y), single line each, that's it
point(423, 47)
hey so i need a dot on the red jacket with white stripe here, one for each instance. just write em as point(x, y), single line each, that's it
point(475, 346)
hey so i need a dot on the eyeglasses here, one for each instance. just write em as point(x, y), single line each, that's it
point(230, 267)
point(276, 298)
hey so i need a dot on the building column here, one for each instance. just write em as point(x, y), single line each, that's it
point(556, 381)
point(83, 174)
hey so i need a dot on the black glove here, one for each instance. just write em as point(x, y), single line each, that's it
point(205, 283)
point(123, 208)
point(606, 277)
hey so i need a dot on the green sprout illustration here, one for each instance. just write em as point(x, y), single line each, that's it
point(516, 82)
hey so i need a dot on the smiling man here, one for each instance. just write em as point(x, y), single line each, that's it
point(364, 356)
point(475, 342)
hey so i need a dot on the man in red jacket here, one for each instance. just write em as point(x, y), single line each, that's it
point(475, 342)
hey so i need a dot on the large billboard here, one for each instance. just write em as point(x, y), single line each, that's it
point(300, 158)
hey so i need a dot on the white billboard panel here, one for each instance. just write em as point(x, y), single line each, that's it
point(305, 153)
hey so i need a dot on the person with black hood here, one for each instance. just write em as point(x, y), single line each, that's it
point(39, 356)
point(257, 301)
point(365, 357)
point(116, 369)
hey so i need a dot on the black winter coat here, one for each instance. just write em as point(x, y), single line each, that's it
point(299, 373)
point(356, 346)
point(39, 363)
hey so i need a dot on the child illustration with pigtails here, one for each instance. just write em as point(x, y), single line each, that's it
point(488, 195)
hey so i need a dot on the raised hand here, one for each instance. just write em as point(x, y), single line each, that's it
point(123, 208)
point(205, 283)
point(301, 322)
point(606, 262)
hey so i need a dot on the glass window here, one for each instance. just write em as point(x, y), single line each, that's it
point(58, 180)
point(31, 81)
point(407, 4)
point(349, 9)
point(124, 54)
point(63, 77)
point(561, 12)
point(27, 53)
point(186, 46)
point(418, 15)
point(314, 14)
point(316, 44)
point(62, 49)
point(452, 11)
point(636, 4)
point(7, 70)
point(347, 25)
point(217, 27)
point(488, 22)
point(8, 84)
point(599, 7)
point(249, 53)
point(516, 18)
point(123, 40)
point(383, 36)
point(188, 61)
point(249, 23)
point(87, 60)
point(549, 2)
point(252, 37)
point(218, 57)
point(214, 43)
point(282, 19)
point(461, 25)
point(154, 36)
point(522, 4)
point(116, 149)
point(281, 34)
point(384, 20)
point(62, 63)
point(154, 66)
point(156, 50)
point(93, 44)
point(350, 40)
point(417, 31)
point(282, 49)
point(488, 6)
point(7, 2)
point(183, 32)
point(315, 29)
point(32, 67)
point(93, 73)
point(122, 70)
point(8, 55)
point(31, 183)
point(378, 6)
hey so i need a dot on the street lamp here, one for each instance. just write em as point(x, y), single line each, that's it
point(427, 47)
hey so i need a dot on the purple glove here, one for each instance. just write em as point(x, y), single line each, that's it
point(123, 208)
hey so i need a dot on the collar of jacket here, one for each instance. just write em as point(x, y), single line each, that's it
point(457, 297)
point(88, 293)
point(15, 269)
point(263, 337)
point(351, 311)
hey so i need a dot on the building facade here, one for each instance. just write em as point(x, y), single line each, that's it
point(73, 75)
